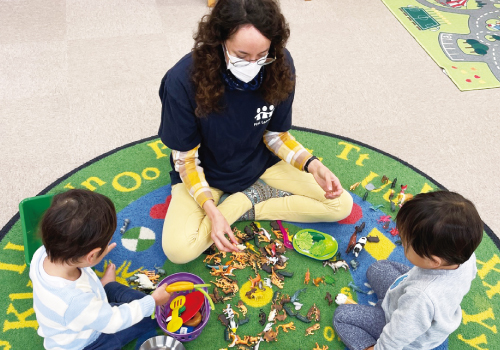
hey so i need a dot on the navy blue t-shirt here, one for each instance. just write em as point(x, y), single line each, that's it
point(232, 151)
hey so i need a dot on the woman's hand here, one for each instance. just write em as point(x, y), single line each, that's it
point(326, 179)
point(220, 228)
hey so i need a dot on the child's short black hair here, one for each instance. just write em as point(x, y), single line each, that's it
point(441, 223)
point(77, 222)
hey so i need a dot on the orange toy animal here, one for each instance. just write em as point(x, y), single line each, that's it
point(318, 280)
point(310, 330)
point(307, 277)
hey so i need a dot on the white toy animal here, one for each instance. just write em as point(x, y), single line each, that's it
point(336, 265)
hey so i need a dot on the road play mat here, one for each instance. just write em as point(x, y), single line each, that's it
point(462, 36)
point(136, 178)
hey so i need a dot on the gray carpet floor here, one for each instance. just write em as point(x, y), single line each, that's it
point(80, 78)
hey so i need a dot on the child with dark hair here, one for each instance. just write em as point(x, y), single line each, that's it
point(74, 309)
point(418, 308)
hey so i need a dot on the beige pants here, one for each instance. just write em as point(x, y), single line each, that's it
point(186, 231)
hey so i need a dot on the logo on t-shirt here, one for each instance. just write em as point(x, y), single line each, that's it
point(398, 281)
point(263, 115)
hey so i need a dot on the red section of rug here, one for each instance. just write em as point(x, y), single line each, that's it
point(159, 211)
point(356, 214)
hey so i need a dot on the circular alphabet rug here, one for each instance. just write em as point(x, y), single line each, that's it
point(136, 178)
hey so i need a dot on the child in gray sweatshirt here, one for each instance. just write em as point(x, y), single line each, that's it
point(419, 307)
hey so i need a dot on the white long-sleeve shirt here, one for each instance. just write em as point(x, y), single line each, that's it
point(422, 307)
point(72, 314)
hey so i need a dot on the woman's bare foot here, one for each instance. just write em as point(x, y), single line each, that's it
point(109, 275)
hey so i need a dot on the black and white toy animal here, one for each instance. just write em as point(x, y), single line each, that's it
point(359, 246)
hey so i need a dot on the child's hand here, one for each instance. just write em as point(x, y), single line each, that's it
point(161, 296)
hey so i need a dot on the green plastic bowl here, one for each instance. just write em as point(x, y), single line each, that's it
point(328, 255)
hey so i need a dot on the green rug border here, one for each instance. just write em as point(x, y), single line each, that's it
point(15, 218)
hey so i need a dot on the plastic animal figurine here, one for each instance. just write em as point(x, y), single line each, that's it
point(255, 227)
point(286, 238)
point(336, 265)
point(242, 307)
point(403, 197)
point(265, 233)
point(384, 218)
point(354, 264)
point(262, 317)
point(215, 257)
point(270, 336)
point(354, 186)
point(313, 313)
point(281, 316)
point(124, 227)
point(302, 318)
point(330, 280)
point(274, 225)
point(153, 277)
point(394, 231)
point(289, 310)
point(356, 288)
point(328, 298)
point(359, 246)
point(295, 296)
point(276, 280)
point(228, 311)
point(272, 315)
point(310, 330)
point(250, 293)
point(216, 297)
point(286, 327)
point(352, 242)
point(391, 194)
point(324, 347)
point(144, 281)
point(222, 318)
point(307, 277)
point(255, 280)
point(318, 280)
point(394, 182)
point(341, 299)
point(393, 207)
point(375, 207)
point(252, 248)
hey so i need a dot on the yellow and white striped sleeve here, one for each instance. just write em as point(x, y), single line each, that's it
point(284, 145)
point(187, 164)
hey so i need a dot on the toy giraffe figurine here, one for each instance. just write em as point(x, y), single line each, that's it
point(307, 277)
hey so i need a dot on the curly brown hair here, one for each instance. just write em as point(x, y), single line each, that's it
point(215, 28)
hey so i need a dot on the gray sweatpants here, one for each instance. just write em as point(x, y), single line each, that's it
point(359, 326)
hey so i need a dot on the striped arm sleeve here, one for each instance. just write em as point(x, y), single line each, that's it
point(91, 312)
point(284, 145)
point(188, 166)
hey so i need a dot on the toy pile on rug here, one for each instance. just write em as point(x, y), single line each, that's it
point(282, 289)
